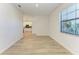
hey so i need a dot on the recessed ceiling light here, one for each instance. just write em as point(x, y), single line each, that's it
point(36, 5)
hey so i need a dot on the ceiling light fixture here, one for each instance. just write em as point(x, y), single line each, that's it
point(36, 5)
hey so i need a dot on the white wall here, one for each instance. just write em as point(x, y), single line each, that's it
point(40, 25)
point(71, 42)
point(27, 20)
point(10, 26)
point(29, 23)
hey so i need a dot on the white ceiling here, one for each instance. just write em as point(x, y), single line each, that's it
point(43, 9)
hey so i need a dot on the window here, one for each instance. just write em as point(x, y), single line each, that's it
point(69, 19)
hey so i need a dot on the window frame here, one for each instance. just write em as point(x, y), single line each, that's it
point(66, 20)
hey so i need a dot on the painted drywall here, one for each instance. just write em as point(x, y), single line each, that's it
point(71, 42)
point(27, 20)
point(10, 26)
point(40, 25)
point(25, 23)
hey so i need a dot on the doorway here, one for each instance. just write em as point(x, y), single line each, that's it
point(27, 26)
point(27, 23)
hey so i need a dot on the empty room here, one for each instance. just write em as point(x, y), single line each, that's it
point(39, 28)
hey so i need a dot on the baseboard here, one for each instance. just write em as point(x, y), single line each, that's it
point(34, 34)
point(42, 34)
point(72, 52)
point(12, 43)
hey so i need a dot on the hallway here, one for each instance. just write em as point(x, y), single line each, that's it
point(36, 45)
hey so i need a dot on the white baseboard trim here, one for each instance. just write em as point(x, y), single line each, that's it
point(12, 43)
point(42, 34)
point(72, 52)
